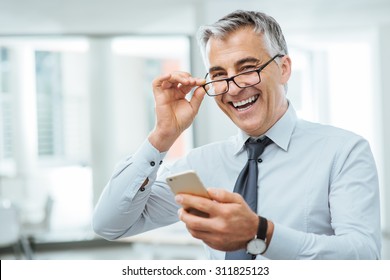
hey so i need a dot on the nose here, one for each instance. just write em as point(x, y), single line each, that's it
point(233, 88)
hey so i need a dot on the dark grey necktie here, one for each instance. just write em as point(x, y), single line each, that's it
point(246, 185)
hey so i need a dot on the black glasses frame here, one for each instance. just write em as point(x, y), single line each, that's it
point(258, 70)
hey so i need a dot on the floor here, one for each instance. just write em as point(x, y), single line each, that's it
point(114, 251)
point(167, 243)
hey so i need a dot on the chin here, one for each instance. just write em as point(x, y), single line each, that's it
point(250, 130)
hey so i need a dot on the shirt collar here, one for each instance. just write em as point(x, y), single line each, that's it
point(280, 133)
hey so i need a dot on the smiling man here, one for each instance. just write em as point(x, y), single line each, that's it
point(282, 188)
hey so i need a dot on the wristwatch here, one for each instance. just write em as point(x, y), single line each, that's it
point(258, 245)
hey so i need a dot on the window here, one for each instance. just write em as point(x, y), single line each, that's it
point(44, 126)
point(49, 103)
point(6, 109)
point(55, 81)
point(136, 62)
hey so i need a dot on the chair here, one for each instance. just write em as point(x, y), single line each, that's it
point(10, 230)
point(9, 225)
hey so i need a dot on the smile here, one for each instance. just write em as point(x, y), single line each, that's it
point(245, 104)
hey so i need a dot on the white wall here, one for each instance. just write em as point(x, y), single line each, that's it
point(384, 74)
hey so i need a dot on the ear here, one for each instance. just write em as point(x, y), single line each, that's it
point(285, 67)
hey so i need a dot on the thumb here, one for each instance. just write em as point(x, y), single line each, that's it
point(224, 196)
point(197, 98)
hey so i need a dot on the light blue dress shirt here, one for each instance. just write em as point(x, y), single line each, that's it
point(317, 183)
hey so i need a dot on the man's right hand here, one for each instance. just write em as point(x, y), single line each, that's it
point(174, 113)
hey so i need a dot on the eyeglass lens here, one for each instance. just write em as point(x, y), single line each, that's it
point(242, 80)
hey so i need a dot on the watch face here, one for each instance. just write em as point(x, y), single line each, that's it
point(256, 246)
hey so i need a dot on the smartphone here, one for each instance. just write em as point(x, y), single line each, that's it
point(188, 182)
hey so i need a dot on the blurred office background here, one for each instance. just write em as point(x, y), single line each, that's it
point(75, 98)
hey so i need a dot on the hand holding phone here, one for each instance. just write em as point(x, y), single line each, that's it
point(188, 182)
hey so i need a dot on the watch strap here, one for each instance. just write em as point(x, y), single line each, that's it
point(262, 228)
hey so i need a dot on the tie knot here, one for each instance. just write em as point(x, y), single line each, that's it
point(256, 147)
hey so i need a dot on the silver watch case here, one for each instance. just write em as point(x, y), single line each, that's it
point(256, 246)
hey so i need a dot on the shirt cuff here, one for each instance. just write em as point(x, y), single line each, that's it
point(147, 160)
point(285, 243)
point(144, 165)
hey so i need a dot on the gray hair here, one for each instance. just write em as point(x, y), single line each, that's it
point(261, 23)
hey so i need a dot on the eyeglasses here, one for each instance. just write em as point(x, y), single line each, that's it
point(242, 80)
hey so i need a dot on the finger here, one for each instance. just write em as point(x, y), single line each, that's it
point(185, 79)
point(212, 233)
point(193, 222)
point(189, 201)
point(189, 83)
point(158, 81)
point(224, 196)
point(168, 80)
point(197, 98)
point(182, 79)
point(214, 240)
point(202, 235)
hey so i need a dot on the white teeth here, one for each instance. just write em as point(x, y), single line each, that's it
point(243, 102)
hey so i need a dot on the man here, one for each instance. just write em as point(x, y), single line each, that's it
point(316, 194)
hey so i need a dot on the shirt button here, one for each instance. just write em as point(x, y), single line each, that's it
point(142, 189)
point(152, 163)
point(161, 162)
point(259, 160)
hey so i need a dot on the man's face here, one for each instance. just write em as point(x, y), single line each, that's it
point(254, 109)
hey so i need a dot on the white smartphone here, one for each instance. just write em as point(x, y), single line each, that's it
point(188, 182)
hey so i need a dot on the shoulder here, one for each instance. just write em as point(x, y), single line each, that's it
point(336, 142)
point(319, 131)
point(341, 148)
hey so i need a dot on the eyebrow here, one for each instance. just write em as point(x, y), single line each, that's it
point(237, 63)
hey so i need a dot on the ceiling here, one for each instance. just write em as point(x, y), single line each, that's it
point(177, 16)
